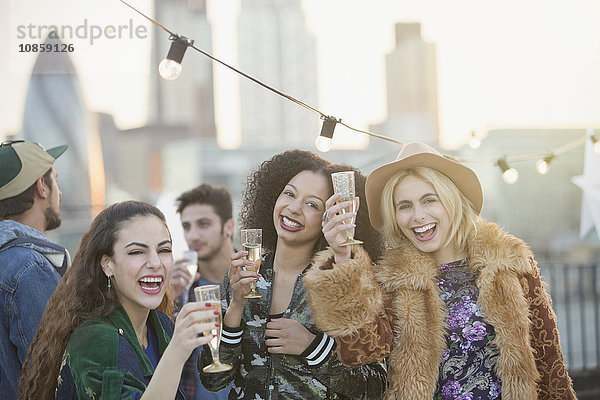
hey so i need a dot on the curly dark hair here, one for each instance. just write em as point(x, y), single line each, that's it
point(266, 184)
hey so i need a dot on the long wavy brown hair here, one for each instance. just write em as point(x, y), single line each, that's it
point(83, 294)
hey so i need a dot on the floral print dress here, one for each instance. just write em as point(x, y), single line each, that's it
point(467, 365)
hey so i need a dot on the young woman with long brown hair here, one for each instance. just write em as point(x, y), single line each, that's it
point(105, 332)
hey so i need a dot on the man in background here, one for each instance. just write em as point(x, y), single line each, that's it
point(206, 217)
point(31, 265)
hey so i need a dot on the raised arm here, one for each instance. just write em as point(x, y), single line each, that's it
point(349, 306)
point(191, 321)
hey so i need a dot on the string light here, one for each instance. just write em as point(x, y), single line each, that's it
point(542, 165)
point(323, 142)
point(170, 67)
point(475, 141)
point(596, 143)
point(510, 175)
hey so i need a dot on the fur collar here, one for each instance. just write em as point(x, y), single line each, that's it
point(410, 278)
point(491, 251)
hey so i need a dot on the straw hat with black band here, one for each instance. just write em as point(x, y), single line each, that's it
point(22, 163)
point(419, 154)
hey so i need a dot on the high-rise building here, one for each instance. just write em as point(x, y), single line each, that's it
point(412, 100)
point(55, 114)
point(276, 48)
point(188, 100)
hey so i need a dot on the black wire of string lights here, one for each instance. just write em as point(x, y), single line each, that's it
point(170, 68)
point(175, 56)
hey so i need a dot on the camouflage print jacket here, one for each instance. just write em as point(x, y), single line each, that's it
point(259, 375)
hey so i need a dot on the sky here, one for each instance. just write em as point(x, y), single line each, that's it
point(509, 63)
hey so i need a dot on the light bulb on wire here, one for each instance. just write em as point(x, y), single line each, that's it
point(475, 141)
point(170, 68)
point(323, 142)
point(596, 143)
point(542, 165)
point(510, 175)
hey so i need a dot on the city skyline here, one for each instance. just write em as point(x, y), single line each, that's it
point(505, 65)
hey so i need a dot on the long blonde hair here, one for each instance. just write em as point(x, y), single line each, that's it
point(81, 295)
point(463, 218)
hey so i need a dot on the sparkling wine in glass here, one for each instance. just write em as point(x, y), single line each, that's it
point(212, 294)
point(252, 243)
point(343, 183)
point(192, 265)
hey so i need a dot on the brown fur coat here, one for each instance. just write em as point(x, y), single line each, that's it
point(394, 308)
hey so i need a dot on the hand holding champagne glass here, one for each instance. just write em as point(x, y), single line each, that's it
point(343, 184)
point(212, 294)
point(252, 243)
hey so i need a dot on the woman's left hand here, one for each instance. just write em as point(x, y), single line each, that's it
point(287, 336)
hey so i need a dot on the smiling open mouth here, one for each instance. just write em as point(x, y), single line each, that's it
point(151, 285)
point(290, 224)
point(425, 232)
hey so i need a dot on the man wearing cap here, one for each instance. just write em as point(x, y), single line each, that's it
point(30, 265)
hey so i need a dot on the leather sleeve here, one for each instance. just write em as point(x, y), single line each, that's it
point(370, 343)
point(555, 382)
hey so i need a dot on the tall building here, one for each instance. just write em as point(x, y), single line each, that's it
point(188, 100)
point(55, 113)
point(276, 48)
point(181, 112)
point(412, 100)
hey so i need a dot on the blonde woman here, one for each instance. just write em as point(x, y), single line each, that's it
point(455, 303)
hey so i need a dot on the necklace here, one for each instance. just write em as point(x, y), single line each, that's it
point(141, 341)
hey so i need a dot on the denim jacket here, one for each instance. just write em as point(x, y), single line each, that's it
point(259, 375)
point(28, 277)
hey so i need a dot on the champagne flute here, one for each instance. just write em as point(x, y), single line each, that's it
point(343, 184)
point(212, 294)
point(252, 243)
point(192, 265)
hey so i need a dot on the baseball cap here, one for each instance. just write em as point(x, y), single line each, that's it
point(22, 163)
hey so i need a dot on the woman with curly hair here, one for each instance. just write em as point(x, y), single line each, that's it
point(105, 333)
point(272, 343)
point(455, 303)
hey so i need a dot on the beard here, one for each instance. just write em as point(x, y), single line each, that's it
point(52, 219)
point(212, 252)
